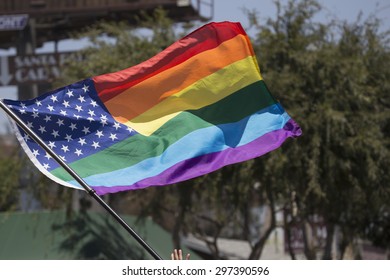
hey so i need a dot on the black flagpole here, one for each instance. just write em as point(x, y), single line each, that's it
point(71, 172)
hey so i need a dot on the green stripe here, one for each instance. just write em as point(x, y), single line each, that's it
point(139, 147)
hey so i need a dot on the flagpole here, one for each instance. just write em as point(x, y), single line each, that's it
point(72, 173)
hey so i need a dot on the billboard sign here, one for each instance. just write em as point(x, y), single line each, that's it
point(13, 22)
point(33, 69)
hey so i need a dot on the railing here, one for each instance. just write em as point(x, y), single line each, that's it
point(18, 6)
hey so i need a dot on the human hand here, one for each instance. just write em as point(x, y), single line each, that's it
point(178, 255)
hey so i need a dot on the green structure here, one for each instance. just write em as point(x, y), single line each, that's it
point(54, 236)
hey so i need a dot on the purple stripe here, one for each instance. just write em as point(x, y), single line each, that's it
point(201, 165)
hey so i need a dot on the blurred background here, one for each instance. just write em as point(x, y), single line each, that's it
point(325, 195)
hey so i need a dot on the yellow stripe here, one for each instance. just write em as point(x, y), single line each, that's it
point(153, 90)
point(202, 93)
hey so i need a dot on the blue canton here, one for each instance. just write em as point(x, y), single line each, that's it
point(72, 121)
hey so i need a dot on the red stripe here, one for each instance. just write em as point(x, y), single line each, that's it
point(205, 38)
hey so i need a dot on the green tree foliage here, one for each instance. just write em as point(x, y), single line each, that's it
point(333, 79)
point(19, 175)
point(116, 46)
point(10, 168)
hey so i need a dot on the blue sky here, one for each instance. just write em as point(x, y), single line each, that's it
point(232, 10)
point(332, 9)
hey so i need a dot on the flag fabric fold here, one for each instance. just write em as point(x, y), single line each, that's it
point(197, 106)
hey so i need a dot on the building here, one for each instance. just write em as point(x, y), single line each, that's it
point(40, 21)
point(27, 24)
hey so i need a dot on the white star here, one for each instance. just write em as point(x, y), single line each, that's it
point(63, 158)
point(52, 144)
point(35, 115)
point(82, 141)
point(90, 119)
point(60, 122)
point(65, 148)
point(103, 119)
point(91, 113)
point(79, 108)
point(130, 129)
point(22, 111)
point(42, 129)
point(103, 122)
point(63, 112)
point(66, 104)
point(29, 125)
point(113, 136)
point(81, 98)
point(54, 98)
point(117, 125)
point(86, 130)
point(38, 103)
point(50, 108)
point(48, 156)
point(69, 93)
point(68, 137)
point(73, 126)
point(35, 153)
point(46, 166)
point(76, 116)
point(85, 88)
point(55, 133)
point(23, 105)
point(93, 103)
point(47, 118)
point(99, 133)
point(78, 152)
point(95, 144)
point(26, 137)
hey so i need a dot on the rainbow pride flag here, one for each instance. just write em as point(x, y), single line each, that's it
point(197, 106)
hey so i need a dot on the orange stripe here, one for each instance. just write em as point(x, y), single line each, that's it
point(141, 97)
point(205, 38)
point(204, 92)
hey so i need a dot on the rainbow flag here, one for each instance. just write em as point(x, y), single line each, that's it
point(197, 106)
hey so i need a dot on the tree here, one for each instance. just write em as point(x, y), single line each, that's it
point(332, 79)
point(113, 46)
point(22, 186)
point(10, 168)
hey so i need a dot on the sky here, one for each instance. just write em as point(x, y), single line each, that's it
point(232, 10)
point(332, 9)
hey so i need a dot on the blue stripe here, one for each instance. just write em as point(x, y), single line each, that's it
point(199, 142)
